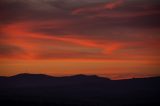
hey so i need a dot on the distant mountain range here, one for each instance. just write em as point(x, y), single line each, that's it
point(79, 90)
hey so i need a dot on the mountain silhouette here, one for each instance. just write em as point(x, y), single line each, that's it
point(78, 90)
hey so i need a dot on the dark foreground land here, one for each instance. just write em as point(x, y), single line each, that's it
point(79, 90)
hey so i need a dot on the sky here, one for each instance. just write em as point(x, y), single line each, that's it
point(112, 38)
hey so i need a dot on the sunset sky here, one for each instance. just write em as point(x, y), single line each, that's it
point(112, 38)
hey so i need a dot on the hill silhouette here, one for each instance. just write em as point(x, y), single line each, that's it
point(78, 90)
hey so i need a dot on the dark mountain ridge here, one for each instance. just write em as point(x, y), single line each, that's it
point(78, 76)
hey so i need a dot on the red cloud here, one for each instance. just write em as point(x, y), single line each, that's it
point(99, 7)
point(19, 34)
point(115, 4)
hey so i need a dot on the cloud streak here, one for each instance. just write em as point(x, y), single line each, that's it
point(98, 29)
